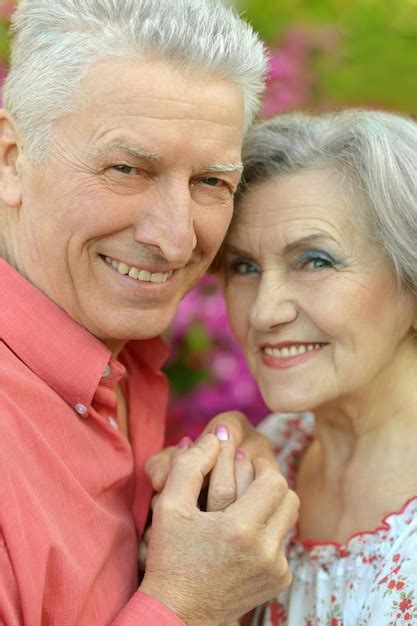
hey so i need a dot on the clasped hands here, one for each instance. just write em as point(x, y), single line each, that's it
point(212, 566)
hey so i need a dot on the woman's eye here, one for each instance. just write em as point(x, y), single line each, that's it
point(241, 267)
point(316, 261)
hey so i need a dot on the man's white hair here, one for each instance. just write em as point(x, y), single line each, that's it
point(56, 41)
point(376, 153)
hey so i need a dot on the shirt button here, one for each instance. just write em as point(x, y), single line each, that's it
point(81, 409)
point(106, 371)
point(113, 423)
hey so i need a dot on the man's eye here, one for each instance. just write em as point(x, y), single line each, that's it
point(123, 169)
point(212, 182)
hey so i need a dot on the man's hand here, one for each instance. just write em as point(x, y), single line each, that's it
point(212, 567)
point(244, 435)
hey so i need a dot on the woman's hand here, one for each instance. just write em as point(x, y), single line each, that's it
point(245, 437)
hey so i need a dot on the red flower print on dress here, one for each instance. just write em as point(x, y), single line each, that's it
point(278, 613)
point(405, 604)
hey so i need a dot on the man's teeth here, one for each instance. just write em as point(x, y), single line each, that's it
point(292, 350)
point(137, 274)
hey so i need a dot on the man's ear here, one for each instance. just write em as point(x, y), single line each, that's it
point(10, 183)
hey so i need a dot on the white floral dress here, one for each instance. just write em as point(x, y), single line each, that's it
point(369, 581)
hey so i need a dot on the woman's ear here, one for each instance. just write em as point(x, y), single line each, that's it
point(10, 181)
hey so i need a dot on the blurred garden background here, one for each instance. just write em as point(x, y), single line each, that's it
point(324, 54)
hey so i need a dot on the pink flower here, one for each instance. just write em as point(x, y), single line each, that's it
point(6, 8)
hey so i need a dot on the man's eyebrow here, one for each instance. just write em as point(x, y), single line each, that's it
point(308, 239)
point(236, 166)
point(130, 149)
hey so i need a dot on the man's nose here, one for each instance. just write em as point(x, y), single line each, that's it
point(274, 304)
point(167, 224)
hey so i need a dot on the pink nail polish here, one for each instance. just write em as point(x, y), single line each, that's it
point(184, 444)
point(240, 455)
point(222, 432)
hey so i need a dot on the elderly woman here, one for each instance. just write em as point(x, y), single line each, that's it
point(320, 278)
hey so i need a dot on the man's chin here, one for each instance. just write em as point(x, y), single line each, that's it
point(124, 331)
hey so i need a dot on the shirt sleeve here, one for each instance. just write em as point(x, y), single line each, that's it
point(10, 606)
point(143, 610)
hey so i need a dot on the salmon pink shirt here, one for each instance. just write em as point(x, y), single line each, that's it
point(74, 497)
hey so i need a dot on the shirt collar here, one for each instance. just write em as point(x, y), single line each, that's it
point(57, 349)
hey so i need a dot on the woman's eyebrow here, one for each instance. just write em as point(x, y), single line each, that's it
point(308, 239)
point(235, 250)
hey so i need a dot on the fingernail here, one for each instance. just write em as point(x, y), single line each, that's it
point(222, 432)
point(184, 444)
point(240, 455)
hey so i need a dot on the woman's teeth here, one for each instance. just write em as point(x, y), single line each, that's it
point(289, 351)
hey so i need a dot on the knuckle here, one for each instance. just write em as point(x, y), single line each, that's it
point(284, 576)
point(151, 464)
point(223, 494)
point(168, 509)
point(241, 535)
point(294, 501)
point(157, 474)
point(281, 484)
point(270, 559)
point(186, 458)
point(278, 484)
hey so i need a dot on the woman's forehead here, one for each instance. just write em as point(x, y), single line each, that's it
point(308, 202)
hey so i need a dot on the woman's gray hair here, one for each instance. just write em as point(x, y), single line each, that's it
point(56, 41)
point(376, 153)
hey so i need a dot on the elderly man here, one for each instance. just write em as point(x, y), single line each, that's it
point(119, 157)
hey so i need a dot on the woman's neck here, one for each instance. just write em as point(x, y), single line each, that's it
point(362, 462)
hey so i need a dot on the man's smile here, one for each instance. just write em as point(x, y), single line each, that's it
point(137, 273)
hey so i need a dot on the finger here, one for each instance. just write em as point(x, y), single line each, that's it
point(222, 488)
point(158, 466)
point(237, 423)
point(263, 496)
point(244, 473)
point(188, 470)
point(285, 517)
point(257, 445)
point(154, 501)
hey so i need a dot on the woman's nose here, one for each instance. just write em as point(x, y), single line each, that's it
point(273, 306)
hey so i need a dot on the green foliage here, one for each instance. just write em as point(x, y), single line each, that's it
point(4, 41)
point(376, 63)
